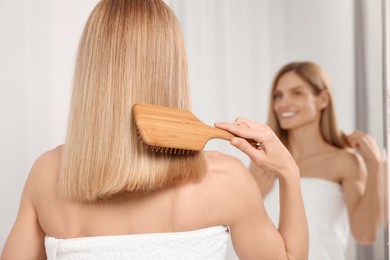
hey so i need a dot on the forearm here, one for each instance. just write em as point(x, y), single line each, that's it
point(367, 216)
point(265, 180)
point(292, 222)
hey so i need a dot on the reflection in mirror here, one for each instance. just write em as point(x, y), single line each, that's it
point(236, 48)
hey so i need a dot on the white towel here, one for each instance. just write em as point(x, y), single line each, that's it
point(208, 243)
point(327, 217)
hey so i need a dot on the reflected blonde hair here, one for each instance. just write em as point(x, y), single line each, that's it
point(130, 51)
point(316, 77)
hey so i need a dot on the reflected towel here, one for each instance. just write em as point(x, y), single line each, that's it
point(327, 217)
point(207, 243)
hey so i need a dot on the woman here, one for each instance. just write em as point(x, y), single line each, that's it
point(103, 195)
point(340, 175)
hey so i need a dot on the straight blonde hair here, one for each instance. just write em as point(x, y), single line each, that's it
point(130, 51)
point(316, 77)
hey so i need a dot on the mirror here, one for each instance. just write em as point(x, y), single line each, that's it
point(235, 48)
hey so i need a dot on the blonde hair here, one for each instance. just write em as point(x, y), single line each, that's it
point(130, 51)
point(319, 81)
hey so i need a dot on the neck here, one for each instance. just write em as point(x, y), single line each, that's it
point(306, 141)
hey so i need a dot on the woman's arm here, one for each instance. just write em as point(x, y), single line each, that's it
point(364, 190)
point(272, 155)
point(265, 180)
point(26, 239)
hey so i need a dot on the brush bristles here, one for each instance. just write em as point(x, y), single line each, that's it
point(167, 150)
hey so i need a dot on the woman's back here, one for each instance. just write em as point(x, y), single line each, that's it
point(171, 221)
point(182, 207)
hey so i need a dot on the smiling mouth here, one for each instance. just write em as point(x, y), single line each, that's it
point(287, 114)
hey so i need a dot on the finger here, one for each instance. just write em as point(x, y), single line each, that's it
point(355, 139)
point(354, 136)
point(367, 144)
point(358, 132)
point(236, 129)
point(246, 122)
point(258, 133)
point(239, 122)
point(355, 144)
point(256, 136)
point(222, 125)
point(246, 148)
point(363, 140)
point(242, 122)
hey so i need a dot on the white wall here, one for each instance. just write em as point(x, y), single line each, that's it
point(37, 49)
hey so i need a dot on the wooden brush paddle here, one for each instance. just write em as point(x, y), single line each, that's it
point(174, 130)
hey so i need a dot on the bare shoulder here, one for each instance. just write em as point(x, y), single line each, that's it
point(45, 170)
point(224, 164)
point(51, 155)
point(49, 160)
point(229, 172)
point(229, 189)
point(219, 161)
point(349, 164)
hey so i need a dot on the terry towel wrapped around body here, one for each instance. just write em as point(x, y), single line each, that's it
point(207, 243)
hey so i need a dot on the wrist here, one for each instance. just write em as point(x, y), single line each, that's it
point(375, 166)
point(289, 174)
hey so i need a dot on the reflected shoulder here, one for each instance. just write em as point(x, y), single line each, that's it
point(350, 163)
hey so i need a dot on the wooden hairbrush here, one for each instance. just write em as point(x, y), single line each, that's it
point(174, 130)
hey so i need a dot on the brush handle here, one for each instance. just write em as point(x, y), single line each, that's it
point(225, 135)
point(220, 134)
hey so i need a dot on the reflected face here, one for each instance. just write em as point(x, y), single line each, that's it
point(294, 102)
